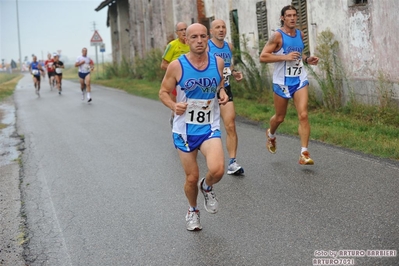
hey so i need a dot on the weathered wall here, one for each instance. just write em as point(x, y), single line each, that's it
point(113, 24)
point(123, 29)
point(367, 34)
point(365, 49)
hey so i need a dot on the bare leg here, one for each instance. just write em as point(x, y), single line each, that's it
point(280, 105)
point(228, 114)
point(301, 105)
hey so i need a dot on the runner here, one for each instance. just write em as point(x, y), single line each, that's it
point(85, 65)
point(198, 76)
point(50, 71)
point(173, 50)
point(58, 67)
point(218, 46)
point(284, 49)
point(35, 69)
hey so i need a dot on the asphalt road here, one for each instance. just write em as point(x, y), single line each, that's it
point(103, 185)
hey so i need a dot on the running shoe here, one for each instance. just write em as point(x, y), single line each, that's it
point(271, 143)
point(89, 100)
point(305, 159)
point(193, 221)
point(234, 169)
point(211, 202)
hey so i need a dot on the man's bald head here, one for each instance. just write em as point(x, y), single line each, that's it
point(196, 27)
point(217, 22)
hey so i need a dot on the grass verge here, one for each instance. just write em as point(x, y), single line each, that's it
point(352, 131)
point(7, 84)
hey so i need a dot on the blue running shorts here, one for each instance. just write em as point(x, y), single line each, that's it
point(287, 92)
point(193, 141)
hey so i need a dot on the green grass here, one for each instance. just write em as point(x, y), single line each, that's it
point(7, 84)
point(359, 129)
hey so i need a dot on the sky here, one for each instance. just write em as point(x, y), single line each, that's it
point(51, 25)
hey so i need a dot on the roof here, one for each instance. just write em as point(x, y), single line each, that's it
point(104, 4)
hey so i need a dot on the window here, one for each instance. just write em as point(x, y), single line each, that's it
point(235, 34)
point(263, 31)
point(302, 22)
point(357, 2)
point(207, 23)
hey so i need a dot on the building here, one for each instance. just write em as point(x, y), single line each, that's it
point(365, 30)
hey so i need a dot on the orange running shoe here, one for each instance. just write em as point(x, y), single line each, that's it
point(304, 159)
point(271, 143)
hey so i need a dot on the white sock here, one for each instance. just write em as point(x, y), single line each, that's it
point(205, 186)
point(303, 149)
point(272, 136)
point(191, 209)
point(88, 95)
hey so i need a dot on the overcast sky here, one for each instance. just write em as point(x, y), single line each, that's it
point(51, 25)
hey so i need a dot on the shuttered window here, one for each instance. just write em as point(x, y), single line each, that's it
point(302, 22)
point(263, 29)
point(235, 35)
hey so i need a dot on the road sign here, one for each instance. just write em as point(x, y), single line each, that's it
point(102, 47)
point(96, 38)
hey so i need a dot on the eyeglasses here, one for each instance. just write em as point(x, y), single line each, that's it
point(182, 29)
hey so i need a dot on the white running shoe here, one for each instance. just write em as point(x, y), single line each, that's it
point(211, 203)
point(234, 169)
point(193, 221)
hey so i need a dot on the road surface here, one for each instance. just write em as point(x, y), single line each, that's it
point(102, 185)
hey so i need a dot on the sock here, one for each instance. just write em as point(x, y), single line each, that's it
point(303, 149)
point(206, 187)
point(88, 95)
point(232, 160)
point(272, 136)
point(192, 209)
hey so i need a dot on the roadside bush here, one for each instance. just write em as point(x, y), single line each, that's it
point(149, 67)
point(257, 82)
point(331, 75)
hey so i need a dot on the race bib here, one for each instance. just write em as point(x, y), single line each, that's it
point(293, 68)
point(35, 72)
point(58, 70)
point(86, 67)
point(199, 112)
point(226, 75)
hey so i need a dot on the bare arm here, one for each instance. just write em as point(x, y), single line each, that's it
point(164, 64)
point(235, 73)
point(310, 60)
point(172, 75)
point(223, 98)
point(272, 45)
point(81, 63)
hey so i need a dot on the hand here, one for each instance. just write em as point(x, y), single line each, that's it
point(223, 97)
point(237, 75)
point(312, 60)
point(293, 56)
point(180, 108)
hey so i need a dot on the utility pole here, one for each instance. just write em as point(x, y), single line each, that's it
point(19, 39)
